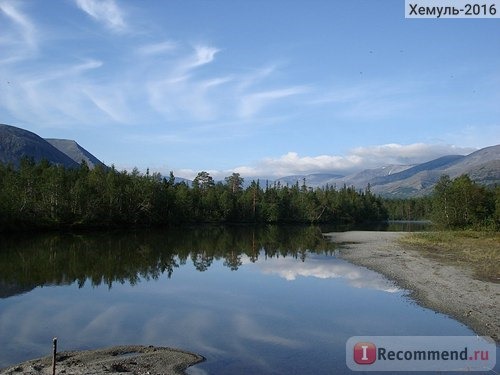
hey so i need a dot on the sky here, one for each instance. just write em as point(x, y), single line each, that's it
point(264, 88)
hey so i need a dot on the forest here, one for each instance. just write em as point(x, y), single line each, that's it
point(42, 195)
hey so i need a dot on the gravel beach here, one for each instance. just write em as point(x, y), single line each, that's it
point(140, 360)
point(444, 288)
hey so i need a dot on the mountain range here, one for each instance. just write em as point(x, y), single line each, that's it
point(400, 181)
point(397, 181)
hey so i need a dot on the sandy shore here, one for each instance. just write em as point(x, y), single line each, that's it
point(116, 360)
point(448, 289)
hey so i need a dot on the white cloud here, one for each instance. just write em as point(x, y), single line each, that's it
point(357, 159)
point(111, 103)
point(292, 163)
point(203, 55)
point(371, 100)
point(157, 48)
point(175, 92)
point(104, 11)
point(169, 81)
point(255, 76)
point(65, 72)
point(22, 39)
point(253, 103)
point(54, 95)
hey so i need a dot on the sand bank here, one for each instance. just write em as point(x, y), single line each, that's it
point(449, 289)
point(116, 360)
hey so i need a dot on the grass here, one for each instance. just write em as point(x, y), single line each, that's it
point(478, 250)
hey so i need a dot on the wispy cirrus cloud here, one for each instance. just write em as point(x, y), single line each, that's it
point(370, 100)
point(157, 48)
point(64, 72)
point(21, 39)
point(111, 103)
point(168, 81)
point(255, 76)
point(176, 93)
point(106, 12)
point(255, 102)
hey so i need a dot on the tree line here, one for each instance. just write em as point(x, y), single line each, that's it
point(455, 204)
point(45, 195)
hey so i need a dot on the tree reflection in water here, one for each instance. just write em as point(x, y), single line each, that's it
point(128, 257)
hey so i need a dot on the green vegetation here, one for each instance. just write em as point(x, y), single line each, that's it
point(468, 215)
point(479, 250)
point(455, 204)
point(409, 209)
point(461, 203)
point(48, 196)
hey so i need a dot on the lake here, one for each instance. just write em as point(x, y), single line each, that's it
point(266, 300)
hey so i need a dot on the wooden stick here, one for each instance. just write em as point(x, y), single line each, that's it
point(54, 352)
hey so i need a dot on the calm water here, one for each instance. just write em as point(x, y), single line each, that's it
point(270, 300)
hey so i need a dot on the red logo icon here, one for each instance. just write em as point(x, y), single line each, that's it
point(365, 353)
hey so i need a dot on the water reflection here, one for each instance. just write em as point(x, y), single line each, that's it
point(103, 258)
point(289, 308)
point(327, 268)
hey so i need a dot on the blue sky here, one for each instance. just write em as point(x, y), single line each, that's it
point(264, 88)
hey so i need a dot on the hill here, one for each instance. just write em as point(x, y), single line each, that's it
point(16, 143)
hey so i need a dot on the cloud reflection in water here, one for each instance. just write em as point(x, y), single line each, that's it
point(326, 268)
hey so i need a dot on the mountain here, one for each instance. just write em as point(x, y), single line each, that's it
point(402, 181)
point(475, 161)
point(433, 165)
point(365, 177)
point(76, 152)
point(482, 166)
point(16, 143)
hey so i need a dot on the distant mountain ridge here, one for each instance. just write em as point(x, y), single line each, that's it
point(16, 143)
point(483, 166)
point(402, 181)
point(76, 152)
